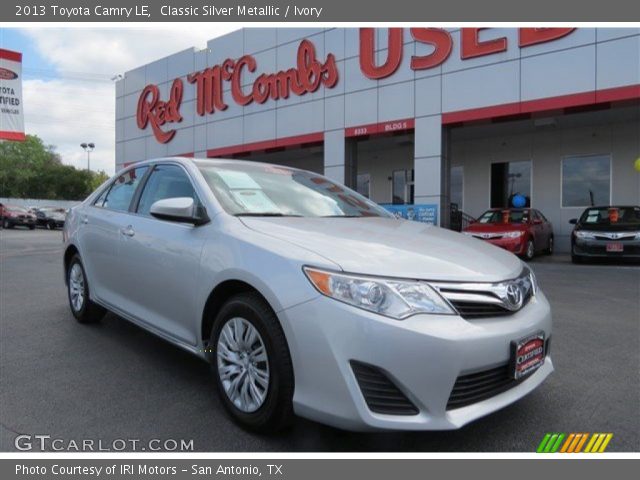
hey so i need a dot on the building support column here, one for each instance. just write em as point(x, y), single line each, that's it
point(431, 166)
point(335, 155)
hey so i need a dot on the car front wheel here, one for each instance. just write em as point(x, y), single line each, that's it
point(83, 309)
point(251, 364)
point(529, 250)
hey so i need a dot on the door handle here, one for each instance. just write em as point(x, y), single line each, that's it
point(128, 231)
point(85, 220)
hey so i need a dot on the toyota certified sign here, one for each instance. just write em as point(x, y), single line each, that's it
point(11, 110)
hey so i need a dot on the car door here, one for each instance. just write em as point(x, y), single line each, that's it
point(98, 234)
point(161, 259)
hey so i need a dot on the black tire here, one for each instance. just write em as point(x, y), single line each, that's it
point(32, 227)
point(88, 312)
point(276, 412)
point(549, 249)
point(51, 226)
point(530, 250)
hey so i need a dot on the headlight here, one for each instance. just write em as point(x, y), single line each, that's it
point(393, 298)
point(515, 234)
point(585, 234)
point(533, 280)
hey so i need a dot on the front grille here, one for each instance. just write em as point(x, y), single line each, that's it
point(479, 310)
point(380, 393)
point(476, 387)
point(481, 300)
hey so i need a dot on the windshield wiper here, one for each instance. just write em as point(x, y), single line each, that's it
point(264, 214)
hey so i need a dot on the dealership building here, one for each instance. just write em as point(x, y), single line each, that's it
point(433, 122)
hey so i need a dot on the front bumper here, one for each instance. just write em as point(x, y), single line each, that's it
point(598, 248)
point(513, 245)
point(423, 356)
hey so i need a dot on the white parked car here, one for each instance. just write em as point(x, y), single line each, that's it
point(308, 298)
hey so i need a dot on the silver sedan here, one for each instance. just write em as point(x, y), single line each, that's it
point(307, 298)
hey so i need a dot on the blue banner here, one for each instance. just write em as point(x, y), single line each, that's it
point(426, 213)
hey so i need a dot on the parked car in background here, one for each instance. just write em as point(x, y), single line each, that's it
point(13, 215)
point(266, 271)
point(523, 231)
point(50, 217)
point(606, 232)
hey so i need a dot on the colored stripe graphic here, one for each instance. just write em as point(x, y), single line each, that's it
point(574, 443)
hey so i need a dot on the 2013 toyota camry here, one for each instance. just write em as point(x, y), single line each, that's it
point(308, 298)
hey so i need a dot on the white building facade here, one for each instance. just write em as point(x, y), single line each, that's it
point(423, 119)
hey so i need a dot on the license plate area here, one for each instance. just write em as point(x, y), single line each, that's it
point(615, 247)
point(527, 355)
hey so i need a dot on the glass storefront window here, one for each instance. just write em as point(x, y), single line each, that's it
point(363, 185)
point(586, 180)
point(402, 187)
point(509, 179)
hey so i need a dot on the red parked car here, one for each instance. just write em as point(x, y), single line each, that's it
point(12, 215)
point(523, 231)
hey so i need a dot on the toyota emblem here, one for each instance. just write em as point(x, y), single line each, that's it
point(513, 299)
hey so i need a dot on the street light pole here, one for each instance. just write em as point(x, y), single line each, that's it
point(88, 147)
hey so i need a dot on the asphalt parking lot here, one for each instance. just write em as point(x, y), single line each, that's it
point(115, 381)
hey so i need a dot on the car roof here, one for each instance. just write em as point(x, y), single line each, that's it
point(203, 162)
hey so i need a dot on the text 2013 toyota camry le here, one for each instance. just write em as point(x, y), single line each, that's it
point(308, 298)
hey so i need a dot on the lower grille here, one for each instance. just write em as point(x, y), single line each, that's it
point(380, 393)
point(475, 387)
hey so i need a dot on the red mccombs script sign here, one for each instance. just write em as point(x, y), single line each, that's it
point(310, 72)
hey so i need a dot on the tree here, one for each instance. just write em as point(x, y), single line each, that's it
point(31, 169)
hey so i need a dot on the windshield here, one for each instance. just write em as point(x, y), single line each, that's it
point(611, 216)
point(17, 209)
point(504, 216)
point(269, 190)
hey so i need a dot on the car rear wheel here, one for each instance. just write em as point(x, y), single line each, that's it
point(6, 224)
point(251, 364)
point(529, 250)
point(83, 309)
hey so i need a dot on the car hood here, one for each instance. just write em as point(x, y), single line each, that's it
point(393, 248)
point(615, 227)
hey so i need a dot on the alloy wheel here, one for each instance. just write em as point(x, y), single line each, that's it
point(243, 365)
point(76, 287)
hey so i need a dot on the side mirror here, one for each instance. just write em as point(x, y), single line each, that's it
point(178, 209)
point(537, 221)
point(573, 221)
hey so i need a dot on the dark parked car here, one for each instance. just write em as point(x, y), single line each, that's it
point(51, 217)
point(606, 232)
point(523, 231)
point(12, 215)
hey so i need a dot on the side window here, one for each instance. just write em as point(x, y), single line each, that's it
point(100, 200)
point(122, 190)
point(166, 181)
point(542, 217)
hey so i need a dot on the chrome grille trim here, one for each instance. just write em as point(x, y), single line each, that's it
point(464, 296)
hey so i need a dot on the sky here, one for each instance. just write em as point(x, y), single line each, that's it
point(69, 94)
